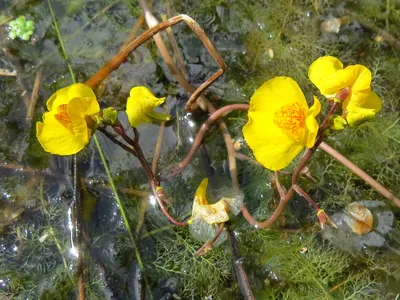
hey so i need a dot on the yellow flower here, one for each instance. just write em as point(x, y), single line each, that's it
point(328, 75)
point(67, 126)
point(211, 213)
point(140, 105)
point(280, 123)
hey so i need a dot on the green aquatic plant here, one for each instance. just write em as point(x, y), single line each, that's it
point(299, 267)
point(21, 27)
point(199, 276)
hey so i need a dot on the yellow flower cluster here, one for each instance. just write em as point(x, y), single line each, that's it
point(73, 112)
point(280, 122)
point(329, 77)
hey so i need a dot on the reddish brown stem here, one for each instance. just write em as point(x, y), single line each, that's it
point(158, 191)
point(207, 247)
point(116, 141)
point(176, 169)
point(302, 193)
point(361, 173)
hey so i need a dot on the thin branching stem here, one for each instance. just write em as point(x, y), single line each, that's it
point(306, 196)
point(178, 168)
point(158, 191)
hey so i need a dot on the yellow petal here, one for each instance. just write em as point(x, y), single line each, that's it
point(200, 198)
point(201, 192)
point(215, 213)
point(211, 213)
point(140, 102)
point(275, 93)
point(276, 127)
point(56, 138)
point(312, 125)
point(357, 115)
point(338, 123)
point(78, 108)
point(357, 77)
point(271, 147)
point(321, 70)
point(65, 95)
point(365, 99)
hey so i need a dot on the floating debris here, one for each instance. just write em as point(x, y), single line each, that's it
point(331, 24)
point(348, 236)
point(270, 53)
point(359, 218)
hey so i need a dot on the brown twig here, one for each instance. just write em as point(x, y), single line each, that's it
point(162, 125)
point(241, 276)
point(34, 96)
point(360, 173)
point(195, 93)
point(121, 56)
point(174, 45)
point(208, 246)
point(133, 32)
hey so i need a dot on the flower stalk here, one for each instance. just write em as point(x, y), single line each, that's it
point(136, 150)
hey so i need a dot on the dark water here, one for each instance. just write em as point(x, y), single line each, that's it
point(258, 40)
